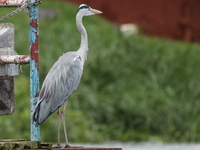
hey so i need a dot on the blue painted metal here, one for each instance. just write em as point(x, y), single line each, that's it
point(34, 67)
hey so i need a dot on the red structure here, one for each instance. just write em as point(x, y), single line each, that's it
point(175, 19)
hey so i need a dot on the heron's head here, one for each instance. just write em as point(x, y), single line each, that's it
point(86, 10)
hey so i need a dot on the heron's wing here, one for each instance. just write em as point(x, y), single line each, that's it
point(62, 79)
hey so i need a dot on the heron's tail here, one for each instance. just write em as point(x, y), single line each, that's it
point(35, 115)
point(41, 112)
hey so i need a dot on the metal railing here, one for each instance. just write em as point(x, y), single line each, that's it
point(33, 58)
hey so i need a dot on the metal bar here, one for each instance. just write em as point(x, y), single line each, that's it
point(14, 59)
point(12, 3)
point(34, 67)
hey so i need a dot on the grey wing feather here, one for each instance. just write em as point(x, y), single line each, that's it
point(62, 79)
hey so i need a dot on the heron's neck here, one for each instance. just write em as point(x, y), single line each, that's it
point(84, 39)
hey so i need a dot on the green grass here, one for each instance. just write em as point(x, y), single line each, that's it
point(133, 88)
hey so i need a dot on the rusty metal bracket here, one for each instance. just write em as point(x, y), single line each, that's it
point(32, 5)
point(15, 59)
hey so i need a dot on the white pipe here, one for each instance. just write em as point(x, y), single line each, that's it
point(14, 59)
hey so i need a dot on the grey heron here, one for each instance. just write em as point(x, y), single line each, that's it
point(63, 78)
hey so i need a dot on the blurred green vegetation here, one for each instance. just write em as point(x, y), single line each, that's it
point(133, 88)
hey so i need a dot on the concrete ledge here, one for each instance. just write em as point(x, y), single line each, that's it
point(18, 144)
point(10, 144)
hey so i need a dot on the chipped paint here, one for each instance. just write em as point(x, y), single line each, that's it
point(11, 3)
point(14, 59)
point(34, 67)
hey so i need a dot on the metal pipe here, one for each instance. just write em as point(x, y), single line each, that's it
point(34, 67)
point(14, 59)
point(12, 3)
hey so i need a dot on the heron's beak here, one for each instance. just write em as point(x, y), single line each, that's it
point(96, 11)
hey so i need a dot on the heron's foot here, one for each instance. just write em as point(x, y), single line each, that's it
point(58, 145)
point(69, 146)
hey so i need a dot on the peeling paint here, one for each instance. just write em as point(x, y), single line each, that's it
point(12, 3)
point(37, 94)
point(14, 59)
point(34, 67)
point(3, 1)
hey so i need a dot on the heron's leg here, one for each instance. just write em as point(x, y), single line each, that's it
point(58, 127)
point(64, 125)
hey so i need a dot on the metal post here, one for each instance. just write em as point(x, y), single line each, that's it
point(34, 67)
